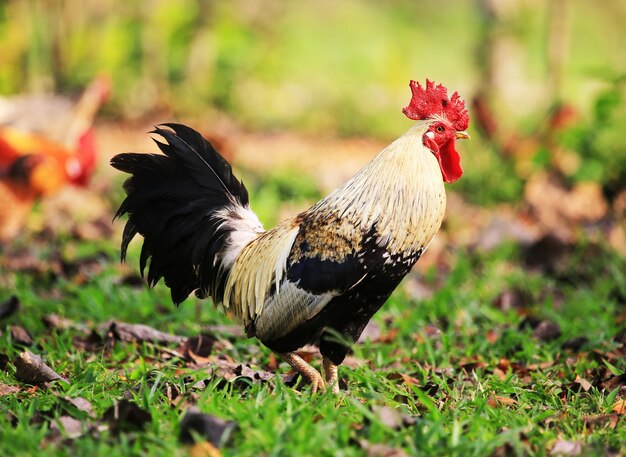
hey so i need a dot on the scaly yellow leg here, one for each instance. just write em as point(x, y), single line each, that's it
point(306, 370)
point(331, 374)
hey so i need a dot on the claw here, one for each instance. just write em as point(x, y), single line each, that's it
point(331, 374)
point(306, 370)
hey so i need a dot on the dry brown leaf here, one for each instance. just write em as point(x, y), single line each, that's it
point(498, 373)
point(619, 407)
point(82, 404)
point(575, 344)
point(308, 353)
point(498, 400)
point(9, 307)
point(567, 448)
point(20, 335)
point(204, 449)
point(126, 416)
point(392, 418)
point(614, 382)
point(198, 348)
point(353, 362)
point(513, 299)
point(408, 380)
point(138, 332)
point(560, 209)
point(492, 336)
point(540, 366)
point(380, 450)
point(54, 321)
point(371, 332)
point(72, 428)
point(586, 385)
point(605, 419)
point(547, 331)
point(30, 368)
point(6, 389)
point(215, 430)
point(470, 364)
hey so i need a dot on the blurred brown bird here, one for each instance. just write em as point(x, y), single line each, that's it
point(315, 278)
point(60, 140)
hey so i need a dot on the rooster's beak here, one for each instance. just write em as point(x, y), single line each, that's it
point(462, 135)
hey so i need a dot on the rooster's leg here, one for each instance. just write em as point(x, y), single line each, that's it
point(330, 374)
point(305, 370)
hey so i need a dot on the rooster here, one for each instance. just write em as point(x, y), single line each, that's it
point(44, 145)
point(316, 278)
point(54, 128)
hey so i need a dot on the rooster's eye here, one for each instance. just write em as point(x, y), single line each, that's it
point(439, 129)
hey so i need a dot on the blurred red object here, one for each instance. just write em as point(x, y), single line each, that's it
point(45, 143)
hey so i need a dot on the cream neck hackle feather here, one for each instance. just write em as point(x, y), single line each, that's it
point(400, 191)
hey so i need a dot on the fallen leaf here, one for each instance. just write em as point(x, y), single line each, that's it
point(505, 227)
point(498, 373)
point(513, 299)
point(470, 364)
point(586, 385)
point(575, 344)
point(82, 404)
point(547, 254)
point(213, 429)
point(492, 336)
point(567, 448)
point(547, 331)
point(350, 361)
point(204, 449)
point(604, 419)
point(619, 407)
point(380, 450)
point(9, 307)
point(93, 230)
point(54, 321)
point(559, 207)
point(198, 348)
point(30, 368)
point(256, 375)
point(392, 418)
point(138, 332)
point(308, 353)
point(6, 389)
point(498, 400)
point(20, 335)
point(371, 332)
point(505, 450)
point(408, 380)
point(614, 382)
point(68, 426)
point(126, 416)
point(231, 331)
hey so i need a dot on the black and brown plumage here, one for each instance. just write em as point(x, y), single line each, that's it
point(315, 278)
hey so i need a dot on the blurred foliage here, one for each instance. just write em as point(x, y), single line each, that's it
point(335, 68)
point(325, 66)
point(314, 66)
point(268, 193)
point(599, 142)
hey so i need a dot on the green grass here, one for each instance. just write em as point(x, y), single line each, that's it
point(455, 373)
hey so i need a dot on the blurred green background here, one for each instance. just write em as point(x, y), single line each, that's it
point(324, 66)
point(330, 68)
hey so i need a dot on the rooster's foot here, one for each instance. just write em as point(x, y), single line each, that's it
point(305, 370)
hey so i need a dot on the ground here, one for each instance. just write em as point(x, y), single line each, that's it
point(505, 339)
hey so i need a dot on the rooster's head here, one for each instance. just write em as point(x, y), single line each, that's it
point(449, 120)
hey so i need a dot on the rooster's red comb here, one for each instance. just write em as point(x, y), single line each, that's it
point(433, 101)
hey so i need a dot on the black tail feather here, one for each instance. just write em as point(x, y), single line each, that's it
point(171, 201)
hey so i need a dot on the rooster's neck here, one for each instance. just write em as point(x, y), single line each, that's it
point(399, 194)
